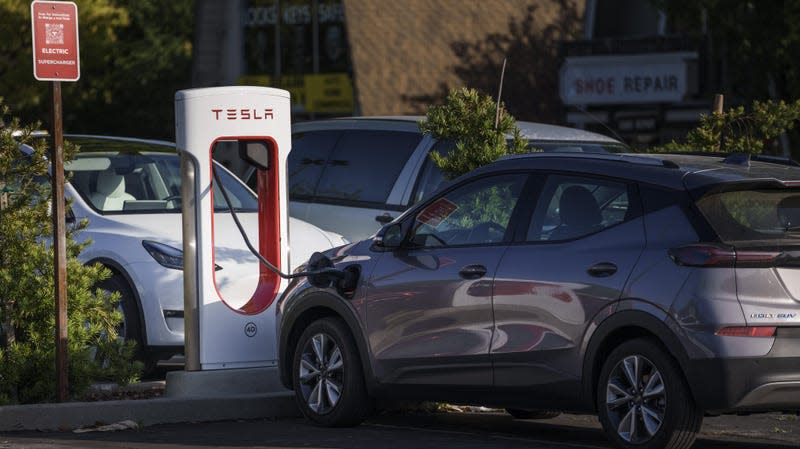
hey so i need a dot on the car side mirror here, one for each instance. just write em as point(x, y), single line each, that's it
point(389, 237)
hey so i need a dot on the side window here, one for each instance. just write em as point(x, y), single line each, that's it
point(430, 177)
point(310, 152)
point(572, 207)
point(364, 165)
point(476, 213)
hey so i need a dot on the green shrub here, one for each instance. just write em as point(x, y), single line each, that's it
point(27, 310)
point(738, 130)
point(468, 119)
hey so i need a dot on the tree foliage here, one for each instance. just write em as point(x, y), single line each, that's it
point(134, 56)
point(738, 130)
point(27, 311)
point(531, 46)
point(752, 46)
point(467, 117)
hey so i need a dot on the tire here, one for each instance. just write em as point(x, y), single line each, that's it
point(655, 411)
point(327, 376)
point(130, 328)
point(519, 413)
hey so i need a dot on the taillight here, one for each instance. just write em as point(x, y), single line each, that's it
point(708, 255)
point(703, 255)
point(747, 331)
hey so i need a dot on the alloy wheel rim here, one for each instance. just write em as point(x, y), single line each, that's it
point(321, 372)
point(636, 399)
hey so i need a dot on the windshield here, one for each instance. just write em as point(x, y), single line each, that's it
point(752, 217)
point(144, 181)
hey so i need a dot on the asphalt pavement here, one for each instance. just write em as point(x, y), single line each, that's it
point(206, 410)
point(408, 430)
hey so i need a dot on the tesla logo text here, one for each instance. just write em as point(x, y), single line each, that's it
point(250, 329)
point(243, 114)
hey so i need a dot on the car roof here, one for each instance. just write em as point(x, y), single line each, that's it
point(676, 171)
point(530, 130)
point(93, 143)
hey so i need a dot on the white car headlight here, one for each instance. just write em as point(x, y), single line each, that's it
point(165, 255)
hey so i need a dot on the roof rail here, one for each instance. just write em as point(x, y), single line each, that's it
point(774, 160)
point(616, 157)
point(742, 159)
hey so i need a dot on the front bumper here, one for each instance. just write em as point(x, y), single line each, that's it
point(767, 383)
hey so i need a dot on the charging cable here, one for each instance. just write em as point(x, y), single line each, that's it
point(330, 271)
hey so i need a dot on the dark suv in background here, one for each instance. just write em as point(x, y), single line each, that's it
point(647, 289)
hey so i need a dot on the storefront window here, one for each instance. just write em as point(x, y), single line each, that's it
point(300, 46)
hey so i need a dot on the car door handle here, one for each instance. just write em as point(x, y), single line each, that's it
point(385, 218)
point(602, 269)
point(472, 271)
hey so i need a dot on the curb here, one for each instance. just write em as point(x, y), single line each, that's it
point(146, 412)
point(190, 397)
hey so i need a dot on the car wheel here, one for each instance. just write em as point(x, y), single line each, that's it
point(518, 413)
point(130, 327)
point(327, 376)
point(643, 400)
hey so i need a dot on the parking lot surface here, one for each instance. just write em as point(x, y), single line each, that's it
point(419, 431)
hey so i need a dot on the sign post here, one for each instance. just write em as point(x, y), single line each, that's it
point(54, 26)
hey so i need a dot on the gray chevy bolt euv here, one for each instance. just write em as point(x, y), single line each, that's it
point(647, 289)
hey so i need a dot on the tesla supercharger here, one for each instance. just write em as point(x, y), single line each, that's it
point(230, 320)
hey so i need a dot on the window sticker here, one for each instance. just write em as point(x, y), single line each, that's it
point(437, 212)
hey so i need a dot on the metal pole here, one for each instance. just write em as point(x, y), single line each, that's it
point(191, 298)
point(59, 242)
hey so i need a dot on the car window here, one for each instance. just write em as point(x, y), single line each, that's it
point(744, 217)
point(307, 159)
point(431, 177)
point(476, 213)
point(143, 182)
point(364, 165)
point(571, 207)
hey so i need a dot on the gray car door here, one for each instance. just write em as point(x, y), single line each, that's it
point(429, 306)
point(583, 239)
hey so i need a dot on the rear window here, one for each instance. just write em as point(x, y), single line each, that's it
point(364, 165)
point(753, 215)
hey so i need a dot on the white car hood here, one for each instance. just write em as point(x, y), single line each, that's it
point(304, 238)
point(238, 273)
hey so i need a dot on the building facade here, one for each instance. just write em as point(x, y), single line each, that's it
point(384, 57)
point(618, 67)
point(633, 74)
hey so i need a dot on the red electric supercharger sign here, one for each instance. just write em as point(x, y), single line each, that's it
point(55, 41)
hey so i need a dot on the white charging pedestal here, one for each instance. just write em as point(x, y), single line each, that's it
point(230, 341)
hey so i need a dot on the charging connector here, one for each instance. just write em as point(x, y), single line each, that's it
point(322, 274)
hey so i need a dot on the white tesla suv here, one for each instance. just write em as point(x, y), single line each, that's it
point(130, 190)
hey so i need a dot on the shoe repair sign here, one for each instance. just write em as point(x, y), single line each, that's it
point(55, 41)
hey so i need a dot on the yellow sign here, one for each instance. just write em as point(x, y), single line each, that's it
point(294, 84)
point(326, 93)
point(329, 93)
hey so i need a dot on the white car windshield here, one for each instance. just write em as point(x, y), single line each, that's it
point(134, 177)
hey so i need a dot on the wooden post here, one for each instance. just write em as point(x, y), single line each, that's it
point(718, 104)
point(59, 242)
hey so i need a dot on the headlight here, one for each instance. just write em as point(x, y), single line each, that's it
point(165, 255)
